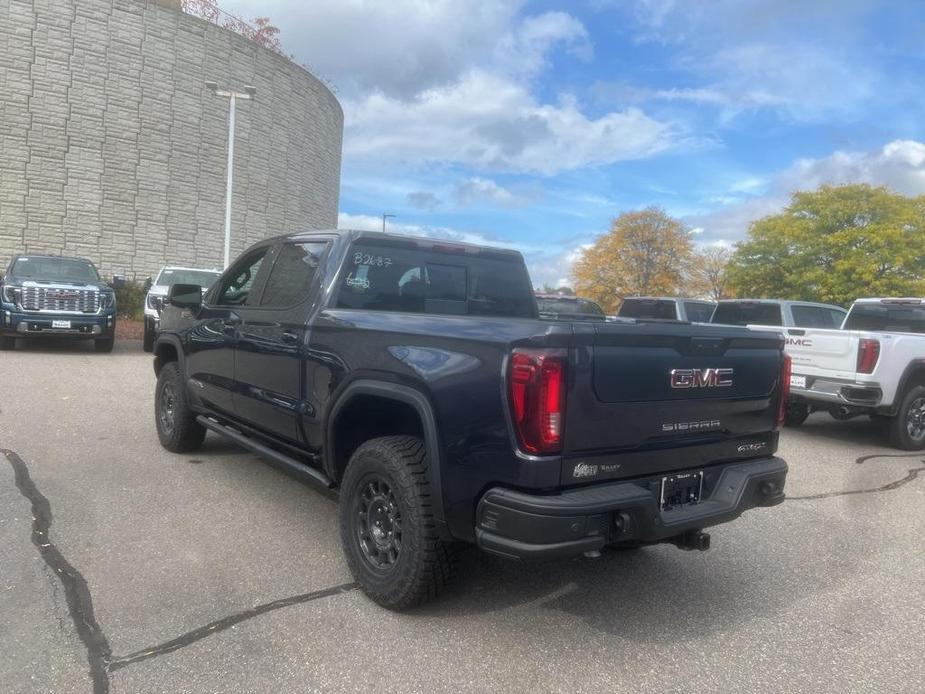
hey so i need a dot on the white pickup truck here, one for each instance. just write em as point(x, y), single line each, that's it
point(874, 365)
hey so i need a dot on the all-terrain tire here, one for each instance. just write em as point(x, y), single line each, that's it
point(176, 423)
point(7, 343)
point(907, 427)
point(104, 345)
point(796, 414)
point(403, 562)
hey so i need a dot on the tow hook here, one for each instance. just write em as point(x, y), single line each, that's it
point(693, 539)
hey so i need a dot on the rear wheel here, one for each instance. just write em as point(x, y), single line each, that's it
point(177, 427)
point(7, 343)
point(796, 414)
point(907, 428)
point(387, 526)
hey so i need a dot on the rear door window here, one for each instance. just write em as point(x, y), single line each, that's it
point(888, 318)
point(291, 279)
point(811, 316)
point(747, 313)
point(397, 277)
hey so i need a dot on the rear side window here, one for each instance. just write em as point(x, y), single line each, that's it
point(886, 318)
point(747, 313)
point(648, 308)
point(815, 317)
point(290, 280)
point(386, 277)
point(698, 311)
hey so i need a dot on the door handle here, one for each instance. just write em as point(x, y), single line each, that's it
point(289, 337)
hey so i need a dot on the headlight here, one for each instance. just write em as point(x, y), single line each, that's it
point(155, 302)
point(12, 295)
point(107, 299)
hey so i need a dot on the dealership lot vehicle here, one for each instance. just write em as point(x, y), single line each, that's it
point(157, 294)
point(55, 297)
point(216, 572)
point(416, 377)
point(875, 365)
point(776, 312)
point(667, 308)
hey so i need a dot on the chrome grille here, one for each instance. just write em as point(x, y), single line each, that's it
point(60, 299)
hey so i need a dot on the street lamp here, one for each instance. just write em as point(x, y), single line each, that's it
point(249, 92)
point(385, 217)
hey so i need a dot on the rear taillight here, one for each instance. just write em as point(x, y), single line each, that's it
point(868, 354)
point(536, 384)
point(785, 372)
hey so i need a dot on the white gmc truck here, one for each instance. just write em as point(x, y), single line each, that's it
point(873, 365)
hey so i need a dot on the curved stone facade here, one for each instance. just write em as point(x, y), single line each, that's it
point(112, 148)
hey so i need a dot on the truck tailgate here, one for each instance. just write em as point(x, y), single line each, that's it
point(662, 387)
point(818, 351)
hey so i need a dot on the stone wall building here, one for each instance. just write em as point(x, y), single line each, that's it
point(112, 148)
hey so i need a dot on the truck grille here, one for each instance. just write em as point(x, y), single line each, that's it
point(60, 300)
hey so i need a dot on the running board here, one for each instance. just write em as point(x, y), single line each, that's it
point(288, 464)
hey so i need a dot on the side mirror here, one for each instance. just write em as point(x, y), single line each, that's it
point(118, 281)
point(185, 296)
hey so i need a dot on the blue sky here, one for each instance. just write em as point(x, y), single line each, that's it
point(533, 124)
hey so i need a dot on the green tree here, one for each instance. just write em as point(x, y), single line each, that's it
point(647, 252)
point(835, 244)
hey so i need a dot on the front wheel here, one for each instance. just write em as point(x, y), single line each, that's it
point(387, 526)
point(104, 345)
point(7, 343)
point(907, 428)
point(176, 423)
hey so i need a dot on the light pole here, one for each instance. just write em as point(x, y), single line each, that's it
point(385, 217)
point(248, 93)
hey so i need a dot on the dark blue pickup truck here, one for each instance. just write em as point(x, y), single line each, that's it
point(54, 297)
point(416, 378)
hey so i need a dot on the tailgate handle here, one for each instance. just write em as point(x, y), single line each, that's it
point(796, 332)
point(707, 345)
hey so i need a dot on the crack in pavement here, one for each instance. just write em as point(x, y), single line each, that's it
point(80, 601)
point(225, 623)
point(76, 591)
point(911, 475)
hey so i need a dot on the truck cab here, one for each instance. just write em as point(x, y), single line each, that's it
point(666, 308)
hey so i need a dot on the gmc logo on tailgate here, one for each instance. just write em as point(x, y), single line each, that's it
point(701, 378)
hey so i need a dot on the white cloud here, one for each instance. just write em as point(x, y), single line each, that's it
point(479, 190)
point(399, 47)
point(899, 165)
point(423, 200)
point(489, 122)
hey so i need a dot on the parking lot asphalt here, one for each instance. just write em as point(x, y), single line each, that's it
point(126, 568)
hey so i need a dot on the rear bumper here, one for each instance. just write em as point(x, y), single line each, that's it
point(527, 526)
point(838, 392)
point(15, 323)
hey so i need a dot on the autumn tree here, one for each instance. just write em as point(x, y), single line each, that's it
point(644, 253)
point(833, 245)
point(707, 274)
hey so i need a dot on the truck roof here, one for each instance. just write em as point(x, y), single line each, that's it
point(890, 300)
point(425, 241)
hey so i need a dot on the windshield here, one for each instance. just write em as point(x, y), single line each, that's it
point(890, 318)
point(204, 278)
point(747, 313)
point(54, 269)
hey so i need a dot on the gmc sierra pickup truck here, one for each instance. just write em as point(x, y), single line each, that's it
point(874, 365)
point(416, 378)
point(55, 297)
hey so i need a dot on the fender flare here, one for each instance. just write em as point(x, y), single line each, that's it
point(174, 341)
point(916, 365)
point(409, 396)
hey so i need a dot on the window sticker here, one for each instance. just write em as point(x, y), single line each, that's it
point(360, 258)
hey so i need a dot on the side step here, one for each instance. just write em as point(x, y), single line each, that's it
point(288, 464)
